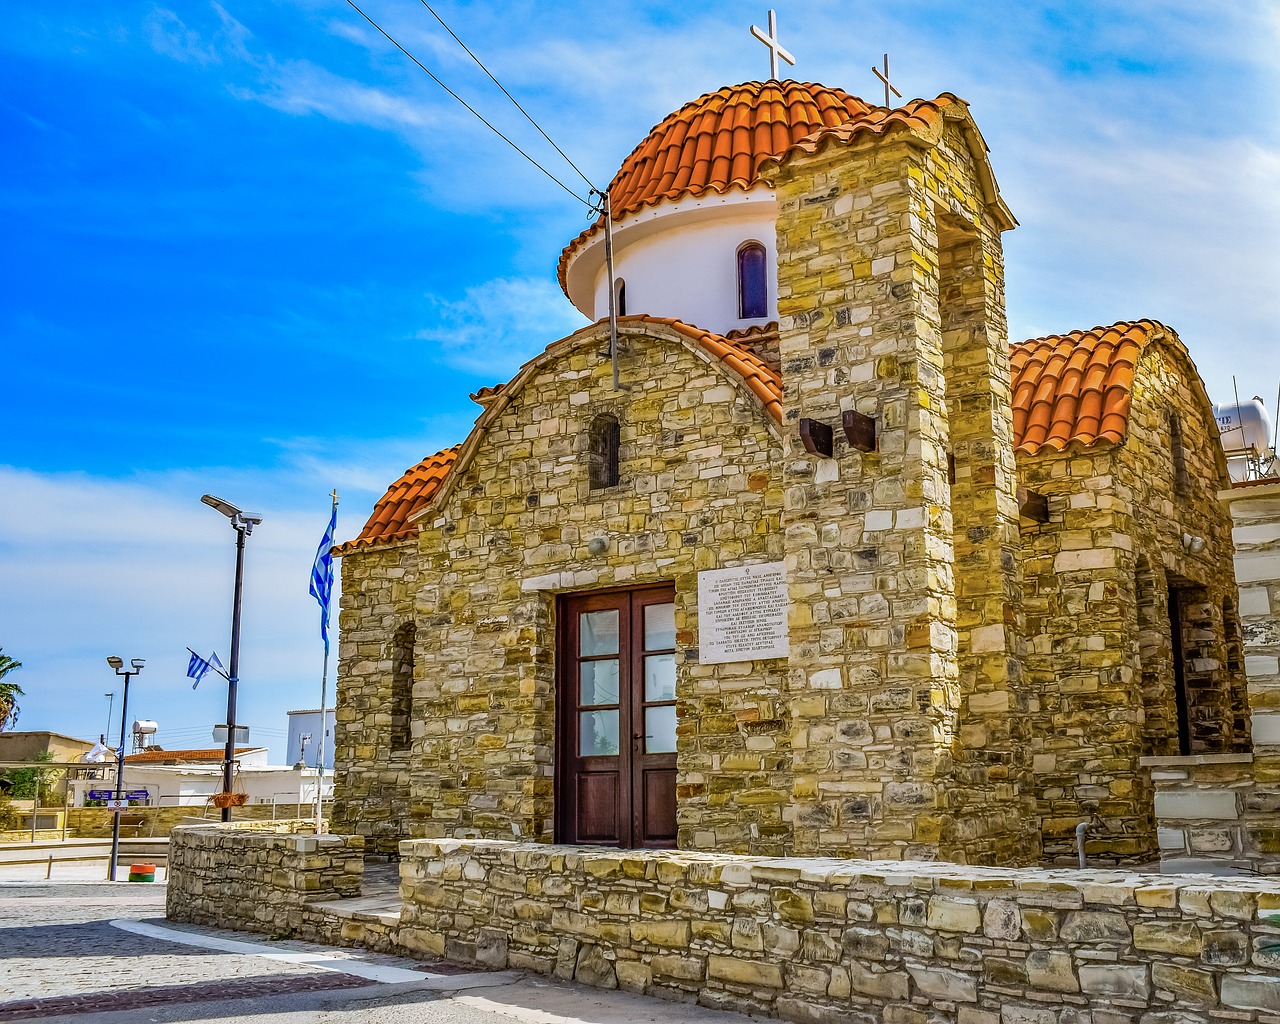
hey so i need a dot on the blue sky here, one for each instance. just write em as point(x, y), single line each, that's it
point(247, 248)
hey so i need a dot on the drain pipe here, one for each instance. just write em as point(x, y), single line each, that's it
point(1081, 829)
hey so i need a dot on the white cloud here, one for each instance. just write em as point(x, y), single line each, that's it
point(498, 325)
point(170, 35)
point(140, 568)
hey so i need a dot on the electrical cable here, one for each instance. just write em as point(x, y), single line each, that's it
point(474, 112)
point(528, 117)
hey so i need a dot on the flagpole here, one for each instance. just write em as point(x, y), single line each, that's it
point(324, 696)
point(324, 688)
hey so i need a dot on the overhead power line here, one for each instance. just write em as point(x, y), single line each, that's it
point(475, 113)
point(528, 117)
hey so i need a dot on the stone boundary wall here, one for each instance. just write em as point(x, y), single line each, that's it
point(1210, 808)
point(95, 822)
point(261, 876)
point(854, 941)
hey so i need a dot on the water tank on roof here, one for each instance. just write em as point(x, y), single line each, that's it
point(1245, 428)
point(144, 732)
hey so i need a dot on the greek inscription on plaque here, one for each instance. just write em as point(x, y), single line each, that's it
point(742, 613)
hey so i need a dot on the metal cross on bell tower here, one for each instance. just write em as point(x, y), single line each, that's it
point(775, 50)
point(884, 77)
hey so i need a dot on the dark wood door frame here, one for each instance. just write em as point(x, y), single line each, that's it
point(625, 798)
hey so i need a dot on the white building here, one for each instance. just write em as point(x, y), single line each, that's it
point(190, 778)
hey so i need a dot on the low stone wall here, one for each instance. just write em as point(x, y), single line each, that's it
point(829, 940)
point(260, 876)
point(1212, 810)
point(95, 822)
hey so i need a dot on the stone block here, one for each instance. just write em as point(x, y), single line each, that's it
point(1196, 804)
point(744, 972)
point(1179, 938)
point(1089, 926)
point(1051, 970)
point(1251, 992)
point(944, 983)
point(1184, 982)
point(1116, 981)
point(951, 915)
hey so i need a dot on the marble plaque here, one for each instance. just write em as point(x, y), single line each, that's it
point(742, 613)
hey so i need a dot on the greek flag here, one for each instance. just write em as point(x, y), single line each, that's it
point(322, 575)
point(200, 666)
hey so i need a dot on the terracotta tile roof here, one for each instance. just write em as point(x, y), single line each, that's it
point(736, 352)
point(918, 114)
point(390, 519)
point(211, 755)
point(715, 143)
point(1076, 389)
point(921, 118)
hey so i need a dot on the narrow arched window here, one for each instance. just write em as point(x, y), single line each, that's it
point(402, 644)
point(753, 282)
point(602, 452)
point(1181, 478)
point(622, 297)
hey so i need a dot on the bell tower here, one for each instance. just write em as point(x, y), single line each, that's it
point(901, 515)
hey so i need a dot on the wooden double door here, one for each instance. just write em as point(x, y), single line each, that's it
point(616, 731)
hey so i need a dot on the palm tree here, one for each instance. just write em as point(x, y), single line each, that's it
point(9, 692)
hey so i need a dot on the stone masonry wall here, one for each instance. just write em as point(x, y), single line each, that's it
point(1255, 513)
point(260, 876)
point(826, 940)
point(371, 777)
point(699, 488)
point(1213, 815)
point(905, 674)
point(1097, 576)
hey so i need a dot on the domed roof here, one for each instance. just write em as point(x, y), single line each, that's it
point(716, 142)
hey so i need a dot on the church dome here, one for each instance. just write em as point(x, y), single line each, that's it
point(688, 200)
point(716, 142)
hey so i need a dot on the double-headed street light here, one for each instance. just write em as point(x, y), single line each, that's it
point(243, 523)
point(135, 667)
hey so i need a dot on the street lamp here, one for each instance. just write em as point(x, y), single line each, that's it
point(128, 673)
point(243, 523)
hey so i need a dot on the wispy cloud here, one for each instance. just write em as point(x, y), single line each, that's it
point(500, 324)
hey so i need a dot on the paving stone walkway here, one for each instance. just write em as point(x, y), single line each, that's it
point(60, 954)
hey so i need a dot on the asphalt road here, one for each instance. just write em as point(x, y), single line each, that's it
point(77, 951)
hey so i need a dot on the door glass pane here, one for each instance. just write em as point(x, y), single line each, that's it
point(598, 632)
point(659, 677)
point(660, 730)
point(598, 682)
point(597, 733)
point(659, 626)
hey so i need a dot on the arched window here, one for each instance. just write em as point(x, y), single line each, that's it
point(602, 452)
point(621, 292)
point(402, 687)
point(753, 282)
point(1181, 478)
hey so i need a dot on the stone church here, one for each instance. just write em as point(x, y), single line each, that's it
point(829, 567)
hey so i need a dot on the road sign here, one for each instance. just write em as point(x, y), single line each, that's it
point(118, 805)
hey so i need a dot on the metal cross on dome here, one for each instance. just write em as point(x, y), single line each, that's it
point(775, 50)
point(884, 77)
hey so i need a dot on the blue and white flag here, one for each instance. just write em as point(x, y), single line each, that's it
point(322, 575)
point(199, 666)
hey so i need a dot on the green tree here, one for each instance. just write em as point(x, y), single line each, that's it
point(26, 783)
point(9, 692)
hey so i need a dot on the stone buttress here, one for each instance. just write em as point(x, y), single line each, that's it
point(905, 683)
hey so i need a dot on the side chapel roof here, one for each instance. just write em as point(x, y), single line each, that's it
point(1072, 389)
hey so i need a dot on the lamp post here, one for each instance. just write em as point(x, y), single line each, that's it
point(135, 667)
point(243, 523)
